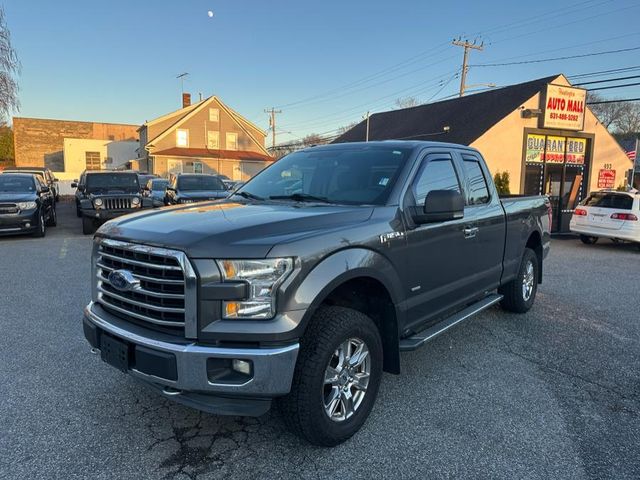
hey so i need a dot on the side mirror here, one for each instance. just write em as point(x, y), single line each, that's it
point(74, 185)
point(45, 190)
point(441, 206)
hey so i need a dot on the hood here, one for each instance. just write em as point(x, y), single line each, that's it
point(231, 230)
point(15, 197)
point(203, 194)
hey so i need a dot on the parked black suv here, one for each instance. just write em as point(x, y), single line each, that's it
point(49, 179)
point(195, 187)
point(311, 279)
point(103, 195)
point(26, 204)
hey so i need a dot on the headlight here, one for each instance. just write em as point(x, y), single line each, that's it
point(27, 205)
point(135, 201)
point(97, 202)
point(264, 277)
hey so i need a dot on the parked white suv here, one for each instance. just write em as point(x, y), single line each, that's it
point(609, 214)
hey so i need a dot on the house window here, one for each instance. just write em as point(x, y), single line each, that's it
point(214, 115)
point(232, 141)
point(213, 139)
point(92, 160)
point(197, 167)
point(182, 138)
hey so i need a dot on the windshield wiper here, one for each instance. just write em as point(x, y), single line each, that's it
point(300, 197)
point(248, 195)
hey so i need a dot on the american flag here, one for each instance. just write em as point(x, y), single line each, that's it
point(631, 155)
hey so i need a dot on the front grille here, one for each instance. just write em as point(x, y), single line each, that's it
point(8, 208)
point(117, 203)
point(160, 299)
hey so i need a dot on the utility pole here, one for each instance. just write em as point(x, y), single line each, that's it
point(467, 46)
point(366, 139)
point(272, 124)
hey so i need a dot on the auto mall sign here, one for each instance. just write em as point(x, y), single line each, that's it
point(564, 107)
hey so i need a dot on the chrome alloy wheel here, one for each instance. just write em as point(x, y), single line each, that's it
point(528, 281)
point(346, 379)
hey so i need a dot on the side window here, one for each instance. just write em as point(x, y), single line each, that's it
point(437, 174)
point(478, 192)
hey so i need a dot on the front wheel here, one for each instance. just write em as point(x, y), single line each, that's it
point(520, 293)
point(53, 218)
point(588, 239)
point(41, 231)
point(88, 225)
point(336, 378)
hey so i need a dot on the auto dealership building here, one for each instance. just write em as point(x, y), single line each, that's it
point(541, 132)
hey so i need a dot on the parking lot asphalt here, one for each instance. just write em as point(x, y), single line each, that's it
point(554, 393)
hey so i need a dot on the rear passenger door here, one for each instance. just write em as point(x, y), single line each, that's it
point(437, 272)
point(484, 227)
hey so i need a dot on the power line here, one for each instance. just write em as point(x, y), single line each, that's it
point(605, 72)
point(622, 100)
point(615, 86)
point(557, 58)
point(608, 80)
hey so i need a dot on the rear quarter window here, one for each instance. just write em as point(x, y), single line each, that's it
point(609, 200)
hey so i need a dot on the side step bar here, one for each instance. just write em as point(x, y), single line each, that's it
point(419, 339)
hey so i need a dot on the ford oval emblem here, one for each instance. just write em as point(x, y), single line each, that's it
point(123, 280)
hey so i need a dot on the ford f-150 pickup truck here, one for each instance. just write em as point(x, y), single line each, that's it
point(307, 283)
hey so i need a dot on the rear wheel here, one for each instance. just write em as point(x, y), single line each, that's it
point(587, 239)
point(336, 379)
point(88, 225)
point(520, 293)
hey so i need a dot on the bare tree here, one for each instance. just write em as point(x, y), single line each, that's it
point(9, 71)
point(629, 121)
point(313, 139)
point(407, 102)
point(346, 128)
point(608, 113)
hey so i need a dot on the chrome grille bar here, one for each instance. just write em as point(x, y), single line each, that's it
point(166, 292)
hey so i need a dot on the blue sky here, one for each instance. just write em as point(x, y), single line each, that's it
point(323, 63)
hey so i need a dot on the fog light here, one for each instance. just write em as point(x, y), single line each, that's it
point(27, 225)
point(242, 366)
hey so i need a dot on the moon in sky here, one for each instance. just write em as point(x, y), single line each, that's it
point(210, 13)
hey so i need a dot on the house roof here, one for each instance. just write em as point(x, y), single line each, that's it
point(467, 117)
point(210, 153)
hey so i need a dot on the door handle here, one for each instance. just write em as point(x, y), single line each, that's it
point(470, 232)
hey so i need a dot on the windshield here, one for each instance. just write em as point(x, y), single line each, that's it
point(354, 176)
point(113, 181)
point(159, 184)
point(609, 200)
point(204, 182)
point(11, 184)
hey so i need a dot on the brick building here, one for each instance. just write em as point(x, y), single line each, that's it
point(40, 142)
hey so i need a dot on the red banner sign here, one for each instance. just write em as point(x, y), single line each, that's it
point(606, 178)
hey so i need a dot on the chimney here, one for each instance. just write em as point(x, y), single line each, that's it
point(186, 100)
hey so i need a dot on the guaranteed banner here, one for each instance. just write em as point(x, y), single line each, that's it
point(564, 107)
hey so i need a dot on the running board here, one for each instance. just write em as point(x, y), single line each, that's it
point(419, 339)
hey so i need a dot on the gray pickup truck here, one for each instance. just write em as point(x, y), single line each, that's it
point(307, 283)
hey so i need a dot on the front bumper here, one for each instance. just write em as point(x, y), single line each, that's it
point(16, 223)
point(189, 382)
point(104, 215)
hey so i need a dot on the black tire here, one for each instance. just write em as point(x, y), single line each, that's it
point(53, 219)
point(515, 298)
point(78, 212)
point(304, 407)
point(588, 240)
point(88, 226)
point(41, 231)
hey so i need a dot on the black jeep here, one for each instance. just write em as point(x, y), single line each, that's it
point(103, 195)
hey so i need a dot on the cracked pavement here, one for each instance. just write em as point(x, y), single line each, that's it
point(554, 393)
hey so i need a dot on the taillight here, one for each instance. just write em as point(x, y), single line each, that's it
point(624, 216)
point(581, 212)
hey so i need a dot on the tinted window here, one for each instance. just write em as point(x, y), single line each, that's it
point(609, 200)
point(478, 192)
point(103, 181)
point(158, 184)
point(437, 174)
point(15, 184)
point(200, 182)
point(342, 175)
